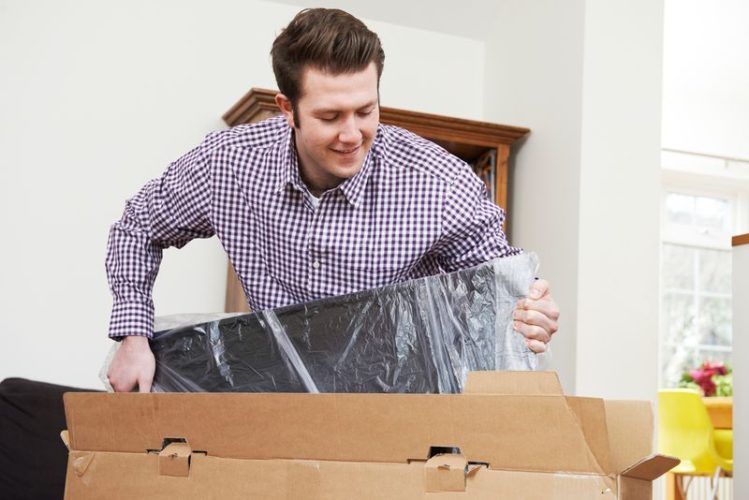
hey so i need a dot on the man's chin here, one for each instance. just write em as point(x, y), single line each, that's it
point(344, 173)
point(346, 168)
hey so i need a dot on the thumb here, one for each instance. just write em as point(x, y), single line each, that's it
point(539, 288)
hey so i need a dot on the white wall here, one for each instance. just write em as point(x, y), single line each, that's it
point(96, 97)
point(618, 284)
point(586, 78)
point(741, 370)
point(705, 77)
point(534, 79)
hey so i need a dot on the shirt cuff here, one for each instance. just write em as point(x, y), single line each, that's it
point(131, 318)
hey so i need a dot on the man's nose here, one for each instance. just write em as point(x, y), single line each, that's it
point(350, 132)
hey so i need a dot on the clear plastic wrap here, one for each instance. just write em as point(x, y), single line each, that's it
point(419, 336)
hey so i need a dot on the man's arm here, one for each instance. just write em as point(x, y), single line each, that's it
point(168, 211)
point(472, 234)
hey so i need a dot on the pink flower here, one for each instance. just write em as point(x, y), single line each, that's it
point(703, 376)
point(707, 376)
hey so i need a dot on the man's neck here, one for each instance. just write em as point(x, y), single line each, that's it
point(315, 186)
point(317, 189)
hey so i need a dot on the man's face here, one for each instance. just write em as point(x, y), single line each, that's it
point(338, 117)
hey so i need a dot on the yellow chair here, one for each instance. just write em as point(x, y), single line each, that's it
point(686, 432)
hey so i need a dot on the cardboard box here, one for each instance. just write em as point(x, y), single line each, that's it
point(518, 437)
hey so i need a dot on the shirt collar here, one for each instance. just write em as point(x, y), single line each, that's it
point(289, 171)
point(352, 189)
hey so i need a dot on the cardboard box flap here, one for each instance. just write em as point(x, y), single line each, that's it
point(445, 473)
point(174, 460)
point(533, 433)
point(528, 383)
point(591, 417)
point(651, 467)
point(630, 428)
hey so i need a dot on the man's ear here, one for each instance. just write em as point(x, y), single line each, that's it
point(284, 104)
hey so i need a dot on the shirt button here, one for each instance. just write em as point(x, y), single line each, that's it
point(316, 264)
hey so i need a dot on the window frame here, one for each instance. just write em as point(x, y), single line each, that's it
point(697, 184)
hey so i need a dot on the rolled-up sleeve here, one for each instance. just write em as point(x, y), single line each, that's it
point(167, 212)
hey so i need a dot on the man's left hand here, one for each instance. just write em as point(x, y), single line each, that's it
point(536, 316)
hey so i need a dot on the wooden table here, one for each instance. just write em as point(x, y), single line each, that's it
point(720, 411)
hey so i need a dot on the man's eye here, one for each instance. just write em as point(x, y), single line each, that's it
point(328, 118)
point(365, 113)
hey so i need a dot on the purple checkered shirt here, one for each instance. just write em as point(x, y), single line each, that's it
point(412, 210)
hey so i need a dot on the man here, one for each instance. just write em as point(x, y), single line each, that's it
point(318, 202)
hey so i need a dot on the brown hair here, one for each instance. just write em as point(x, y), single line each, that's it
point(327, 39)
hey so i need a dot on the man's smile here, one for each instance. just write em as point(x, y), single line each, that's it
point(345, 152)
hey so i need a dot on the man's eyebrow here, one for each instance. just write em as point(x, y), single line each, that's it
point(336, 110)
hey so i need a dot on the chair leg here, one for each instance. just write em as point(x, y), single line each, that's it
point(714, 484)
point(674, 489)
point(684, 484)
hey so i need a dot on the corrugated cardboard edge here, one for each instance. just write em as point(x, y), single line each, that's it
point(519, 383)
point(650, 468)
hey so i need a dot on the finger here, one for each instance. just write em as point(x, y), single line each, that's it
point(144, 384)
point(536, 346)
point(539, 289)
point(535, 318)
point(119, 386)
point(546, 306)
point(532, 332)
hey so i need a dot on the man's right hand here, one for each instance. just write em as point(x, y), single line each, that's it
point(133, 364)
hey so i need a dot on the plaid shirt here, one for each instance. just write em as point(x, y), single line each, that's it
point(412, 210)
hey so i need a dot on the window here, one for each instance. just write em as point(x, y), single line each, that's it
point(701, 211)
point(696, 283)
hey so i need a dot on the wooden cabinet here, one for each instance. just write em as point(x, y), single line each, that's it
point(484, 145)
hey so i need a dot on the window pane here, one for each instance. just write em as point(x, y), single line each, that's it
point(678, 266)
point(680, 208)
point(715, 271)
point(676, 359)
point(679, 315)
point(712, 213)
point(715, 321)
point(715, 356)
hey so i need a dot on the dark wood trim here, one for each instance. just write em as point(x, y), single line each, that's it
point(258, 104)
point(741, 239)
point(252, 107)
point(452, 129)
point(234, 300)
point(503, 167)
